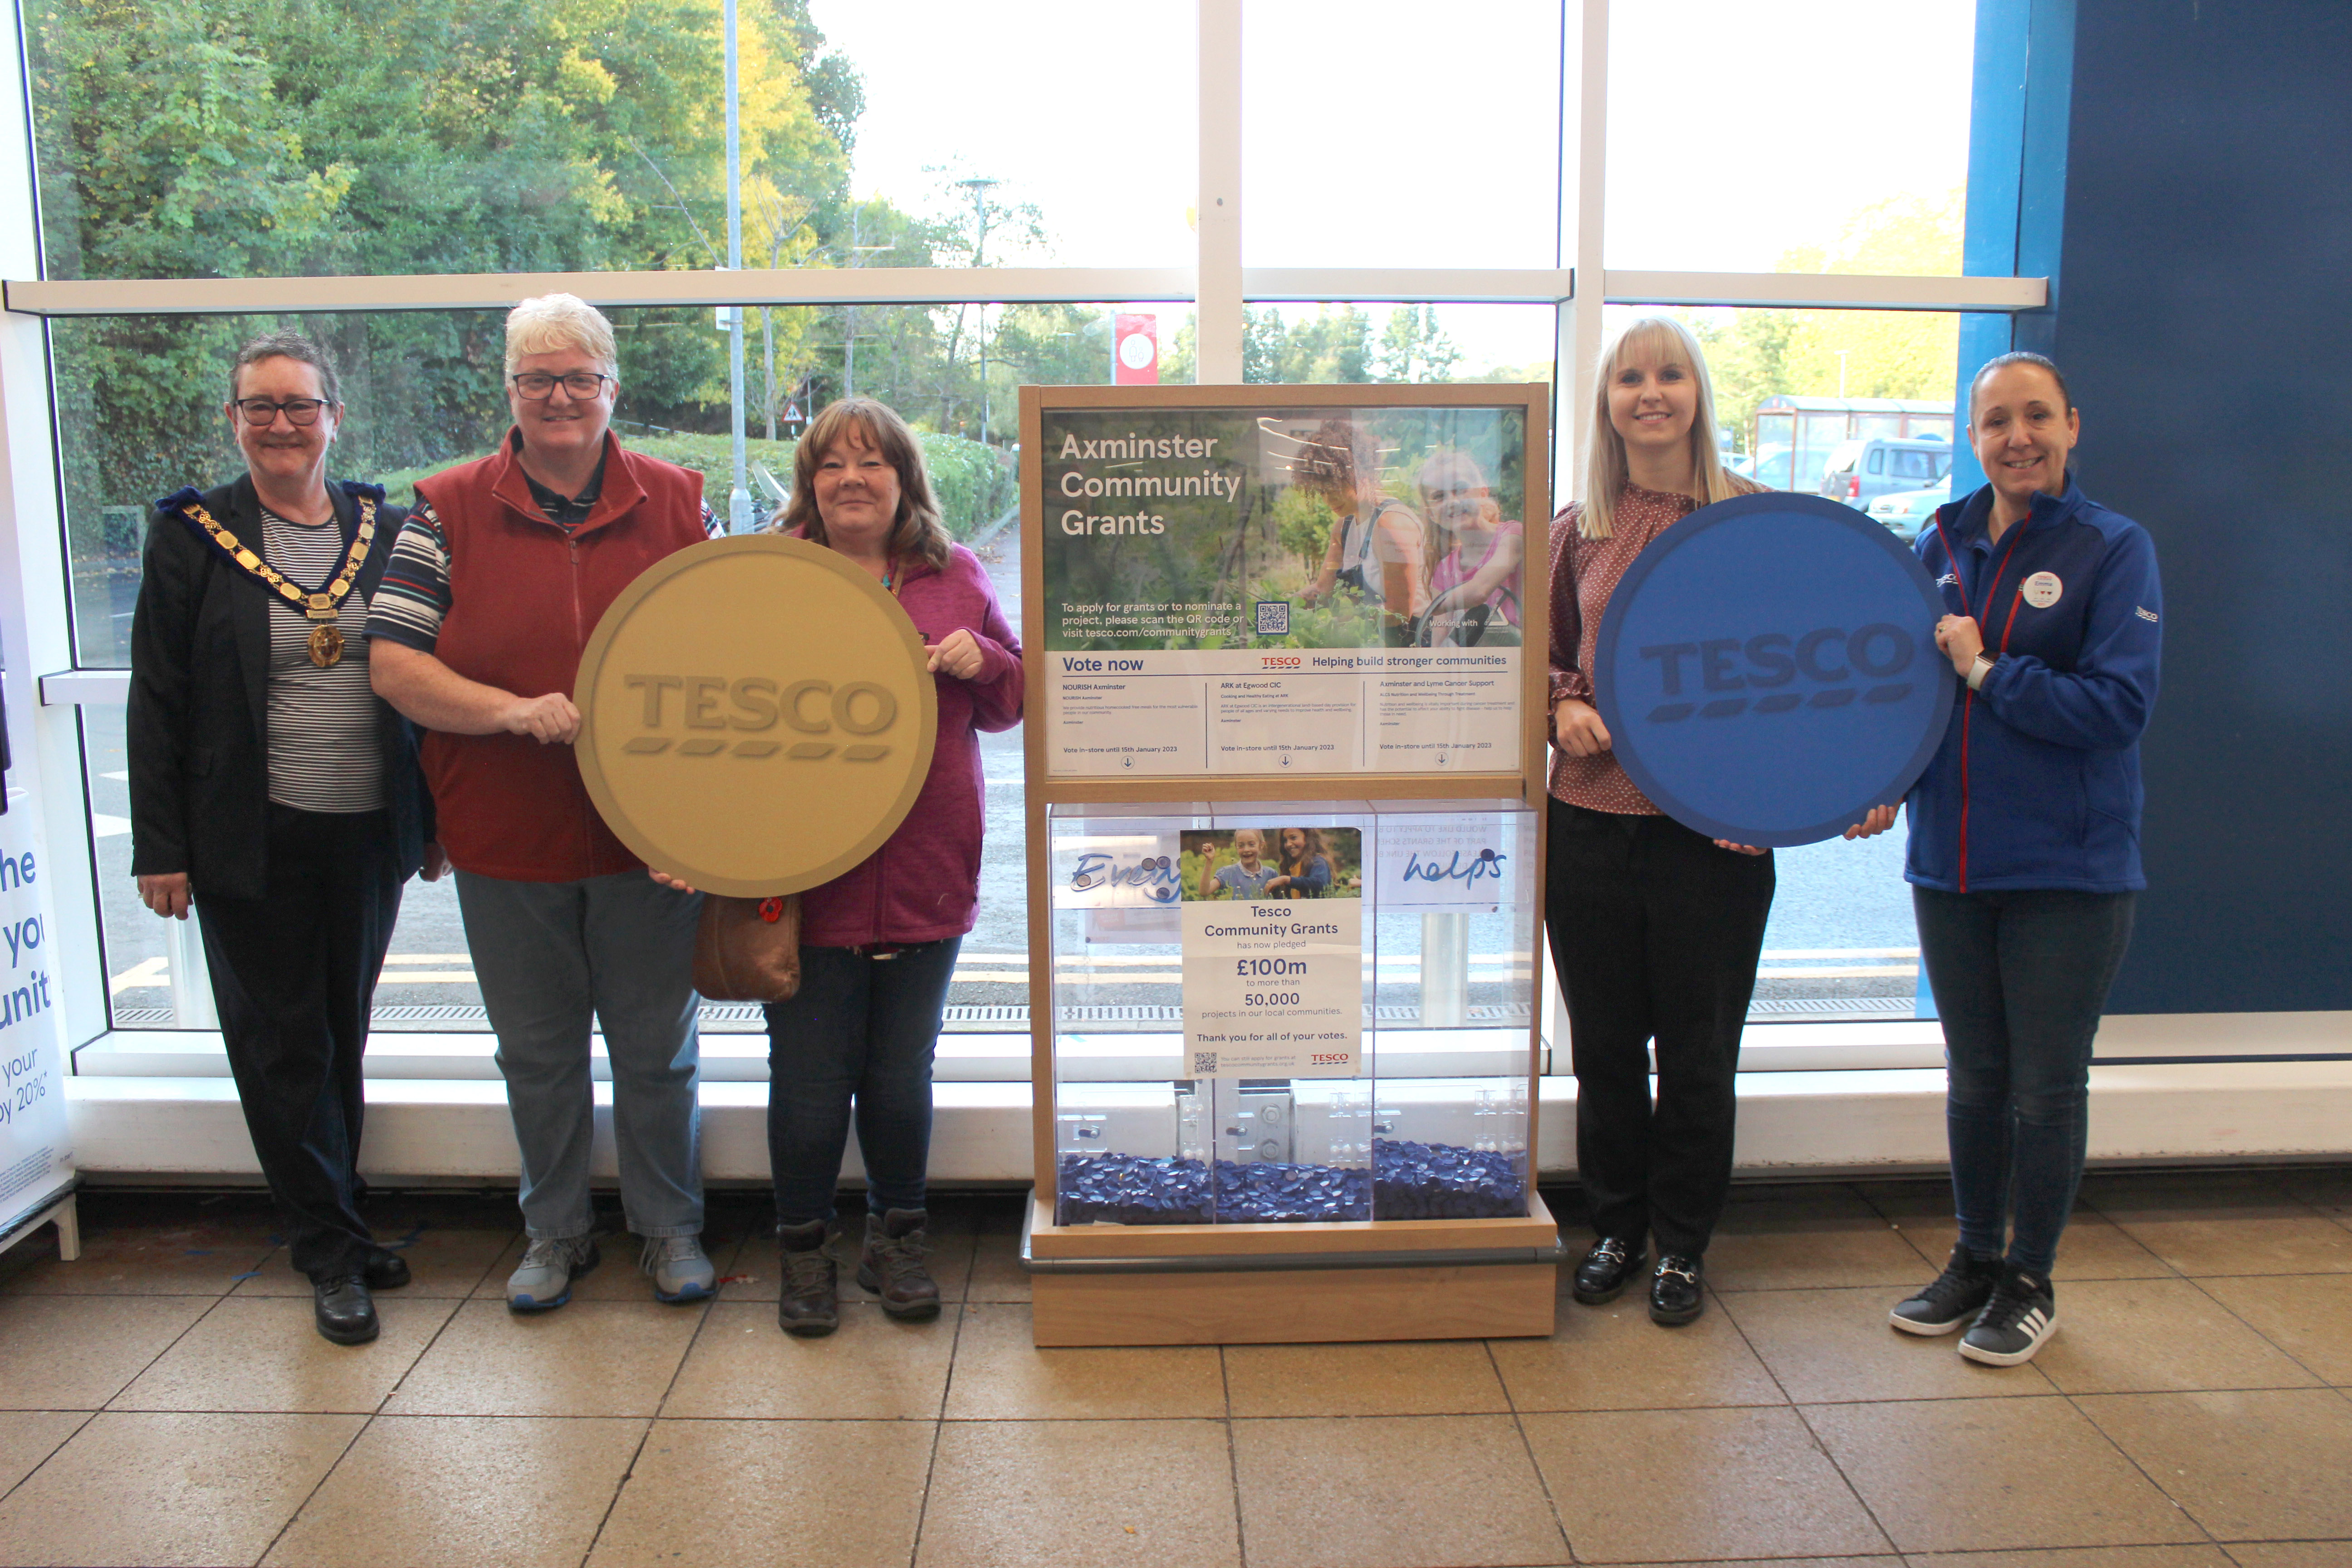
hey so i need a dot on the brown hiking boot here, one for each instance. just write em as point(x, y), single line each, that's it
point(807, 1303)
point(892, 1265)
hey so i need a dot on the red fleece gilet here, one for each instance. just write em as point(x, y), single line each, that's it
point(524, 598)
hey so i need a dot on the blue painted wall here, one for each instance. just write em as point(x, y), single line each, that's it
point(2206, 328)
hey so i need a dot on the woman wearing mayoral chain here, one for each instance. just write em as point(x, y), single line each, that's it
point(273, 793)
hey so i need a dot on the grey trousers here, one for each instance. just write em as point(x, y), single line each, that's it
point(547, 956)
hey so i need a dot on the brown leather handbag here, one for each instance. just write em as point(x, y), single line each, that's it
point(748, 949)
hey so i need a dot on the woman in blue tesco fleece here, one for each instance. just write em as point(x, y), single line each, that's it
point(2024, 853)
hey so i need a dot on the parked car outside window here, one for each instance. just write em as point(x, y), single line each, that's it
point(1906, 511)
point(1771, 468)
point(1859, 473)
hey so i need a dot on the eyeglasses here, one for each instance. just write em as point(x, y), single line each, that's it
point(537, 384)
point(261, 412)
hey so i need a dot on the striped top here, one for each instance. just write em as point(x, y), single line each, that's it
point(325, 754)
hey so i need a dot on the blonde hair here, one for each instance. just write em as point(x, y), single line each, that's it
point(1667, 341)
point(918, 529)
point(1435, 533)
point(550, 322)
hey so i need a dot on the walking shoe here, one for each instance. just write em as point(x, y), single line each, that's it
point(1606, 1271)
point(2017, 1321)
point(808, 1304)
point(1958, 1294)
point(1675, 1296)
point(892, 1265)
point(345, 1314)
point(681, 1272)
point(386, 1270)
point(543, 1282)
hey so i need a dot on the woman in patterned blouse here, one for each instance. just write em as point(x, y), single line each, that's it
point(1655, 929)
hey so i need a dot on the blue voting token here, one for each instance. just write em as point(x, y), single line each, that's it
point(1768, 669)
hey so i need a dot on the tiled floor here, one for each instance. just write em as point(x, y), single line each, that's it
point(164, 1400)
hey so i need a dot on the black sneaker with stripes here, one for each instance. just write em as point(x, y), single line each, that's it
point(2017, 1321)
point(1956, 1296)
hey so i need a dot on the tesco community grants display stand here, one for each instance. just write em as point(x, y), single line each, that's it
point(1285, 751)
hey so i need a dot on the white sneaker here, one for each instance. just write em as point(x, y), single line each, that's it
point(543, 1282)
point(680, 1270)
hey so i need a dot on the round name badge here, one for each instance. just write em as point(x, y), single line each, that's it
point(2041, 589)
point(1768, 669)
point(755, 715)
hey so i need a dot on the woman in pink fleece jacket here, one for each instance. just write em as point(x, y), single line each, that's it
point(879, 942)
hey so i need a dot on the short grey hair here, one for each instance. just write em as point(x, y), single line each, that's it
point(550, 322)
point(287, 345)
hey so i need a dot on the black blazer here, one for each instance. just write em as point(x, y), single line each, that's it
point(199, 720)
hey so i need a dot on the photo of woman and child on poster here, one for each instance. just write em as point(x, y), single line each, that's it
point(1445, 574)
point(1249, 863)
point(1215, 529)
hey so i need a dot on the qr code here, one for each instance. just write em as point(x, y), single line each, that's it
point(1204, 1064)
point(1273, 617)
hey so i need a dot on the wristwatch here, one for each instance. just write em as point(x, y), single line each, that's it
point(1982, 667)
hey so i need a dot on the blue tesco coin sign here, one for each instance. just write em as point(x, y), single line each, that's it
point(1768, 669)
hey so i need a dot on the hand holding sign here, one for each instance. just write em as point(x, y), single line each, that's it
point(1961, 640)
point(1767, 672)
point(1576, 728)
point(957, 654)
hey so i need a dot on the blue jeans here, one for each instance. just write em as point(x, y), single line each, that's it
point(548, 955)
point(860, 1032)
point(2020, 978)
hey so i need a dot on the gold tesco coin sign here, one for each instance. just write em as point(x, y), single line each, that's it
point(755, 715)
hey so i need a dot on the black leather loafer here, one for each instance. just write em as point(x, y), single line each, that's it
point(1675, 1296)
point(1606, 1271)
point(346, 1312)
point(386, 1272)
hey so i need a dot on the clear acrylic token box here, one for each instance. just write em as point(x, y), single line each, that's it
point(1432, 1121)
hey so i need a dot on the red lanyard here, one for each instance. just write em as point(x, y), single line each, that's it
point(1992, 587)
point(1968, 698)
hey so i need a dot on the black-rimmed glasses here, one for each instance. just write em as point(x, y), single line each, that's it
point(261, 411)
point(538, 384)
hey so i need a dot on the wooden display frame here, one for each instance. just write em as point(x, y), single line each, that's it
point(1365, 1280)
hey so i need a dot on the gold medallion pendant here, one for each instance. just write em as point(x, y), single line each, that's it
point(326, 645)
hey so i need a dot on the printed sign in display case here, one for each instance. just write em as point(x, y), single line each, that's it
point(1284, 748)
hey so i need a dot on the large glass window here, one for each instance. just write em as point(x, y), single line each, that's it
point(439, 136)
point(1806, 136)
point(425, 136)
point(1391, 135)
point(1049, 132)
point(246, 138)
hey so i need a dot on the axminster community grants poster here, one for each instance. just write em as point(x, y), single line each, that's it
point(1305, 590)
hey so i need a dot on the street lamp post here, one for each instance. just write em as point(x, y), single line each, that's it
point(738, 500)
point(979, 185)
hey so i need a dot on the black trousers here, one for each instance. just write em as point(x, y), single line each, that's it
point(1656, 933)
point(294, 975)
